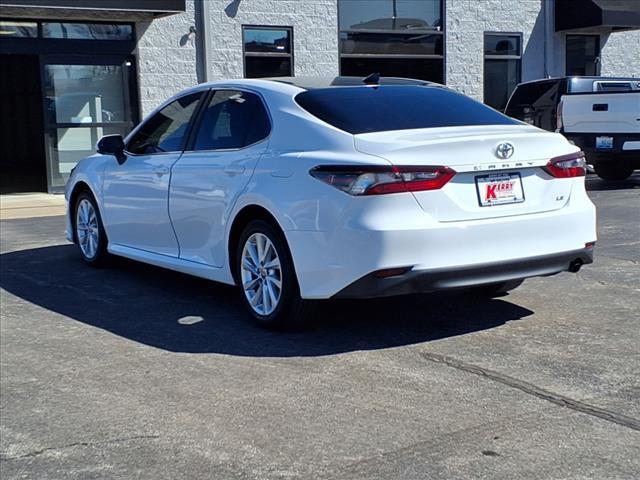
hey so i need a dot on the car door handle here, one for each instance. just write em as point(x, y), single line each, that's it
point(234, 169)
point(160, 171)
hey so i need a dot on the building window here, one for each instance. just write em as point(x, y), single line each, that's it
point(397, 38)
point(582, 54)
point(268, 51)
point(11, 29)
point(502, 67)
point(87, 31)
point(66, 30)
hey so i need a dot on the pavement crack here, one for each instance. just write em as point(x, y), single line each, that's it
point(536, 391)
point(36, 453)
point(635, 262)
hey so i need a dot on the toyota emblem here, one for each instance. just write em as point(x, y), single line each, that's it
point(505, 150)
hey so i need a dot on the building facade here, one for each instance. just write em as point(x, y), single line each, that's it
point(75, 70)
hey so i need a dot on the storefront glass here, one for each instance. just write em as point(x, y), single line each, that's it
point(83, 102)
point(398, 38)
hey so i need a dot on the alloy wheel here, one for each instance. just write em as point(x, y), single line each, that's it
point(87, 230)
point(261, 274)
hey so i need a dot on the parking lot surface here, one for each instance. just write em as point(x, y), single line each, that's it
point(136, 372)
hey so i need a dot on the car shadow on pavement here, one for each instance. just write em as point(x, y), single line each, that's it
point(179, 313)
point(596, 184)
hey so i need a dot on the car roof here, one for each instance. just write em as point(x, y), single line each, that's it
point(315, 82)
point(294, 85)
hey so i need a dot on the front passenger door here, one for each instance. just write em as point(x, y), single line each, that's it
point(136, 193)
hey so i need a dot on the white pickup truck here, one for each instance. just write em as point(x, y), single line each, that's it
point(600, 115)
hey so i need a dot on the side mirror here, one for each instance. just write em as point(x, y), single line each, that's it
point(112, 145)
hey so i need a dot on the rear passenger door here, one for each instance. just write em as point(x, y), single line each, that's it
point(230, 135)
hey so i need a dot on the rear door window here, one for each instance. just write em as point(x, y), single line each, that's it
point(232, 119)
point(393, 107)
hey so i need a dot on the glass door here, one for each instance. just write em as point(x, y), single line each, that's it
point(583, 55)
point(84, 99)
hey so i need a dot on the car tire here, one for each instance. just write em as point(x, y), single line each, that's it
point(497, 289)
point(88, 231)
point(267, 280)
point(613, 170)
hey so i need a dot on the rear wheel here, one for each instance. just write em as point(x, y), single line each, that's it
point(267, 278)
point(613, 170)
point(89, 231)
point(497, 289)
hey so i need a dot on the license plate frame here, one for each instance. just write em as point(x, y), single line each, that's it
point(604, 143)
point(501, 197)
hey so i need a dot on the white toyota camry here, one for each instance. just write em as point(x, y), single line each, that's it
point(300, 189)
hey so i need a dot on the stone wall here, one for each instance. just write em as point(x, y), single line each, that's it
point(467, 20)
point(315, 34)
point(167, 57)
point(621, 54)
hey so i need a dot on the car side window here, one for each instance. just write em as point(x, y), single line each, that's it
point(166, 130)
point(533, 95)
point(232, 119)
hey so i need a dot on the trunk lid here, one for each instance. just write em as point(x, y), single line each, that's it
point(472, 152)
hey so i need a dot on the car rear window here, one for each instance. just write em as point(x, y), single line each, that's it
point(370, 109)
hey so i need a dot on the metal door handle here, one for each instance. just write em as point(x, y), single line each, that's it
point(234, 169)
point(160, 171)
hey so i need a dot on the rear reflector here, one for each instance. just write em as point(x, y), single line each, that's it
point(590, 245)
point(381, 180)
point(567, 166)
point(391, 272)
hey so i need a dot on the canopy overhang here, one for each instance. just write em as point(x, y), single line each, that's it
point(588, 14)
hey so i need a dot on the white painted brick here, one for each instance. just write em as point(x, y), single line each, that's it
point(165, 66)
point(466, 23)
point(315, 33)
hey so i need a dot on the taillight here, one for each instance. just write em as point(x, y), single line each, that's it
point(566, 166)
point(380, 180)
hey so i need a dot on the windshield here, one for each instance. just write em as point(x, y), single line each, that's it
point(370, 109)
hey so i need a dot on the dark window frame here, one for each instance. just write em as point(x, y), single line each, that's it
point(517, 58)
point(290, 55)
point(599, 49)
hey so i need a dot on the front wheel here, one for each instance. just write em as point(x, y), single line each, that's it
point(613, 170)
point(89, 231)
point(267, 279)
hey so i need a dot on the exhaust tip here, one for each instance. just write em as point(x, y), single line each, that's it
point(576, 265)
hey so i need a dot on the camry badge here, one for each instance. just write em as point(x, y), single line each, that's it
point(505, 150)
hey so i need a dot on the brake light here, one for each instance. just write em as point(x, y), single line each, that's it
point(567, 166)
point(381, 180)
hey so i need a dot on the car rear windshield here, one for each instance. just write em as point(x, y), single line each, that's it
point(370, 109)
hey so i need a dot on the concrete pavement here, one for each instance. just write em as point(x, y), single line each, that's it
point(136, 372)
point(31, 205)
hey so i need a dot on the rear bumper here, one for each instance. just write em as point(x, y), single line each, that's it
point(626, 146)
point(397, 233)
point(422, 281)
